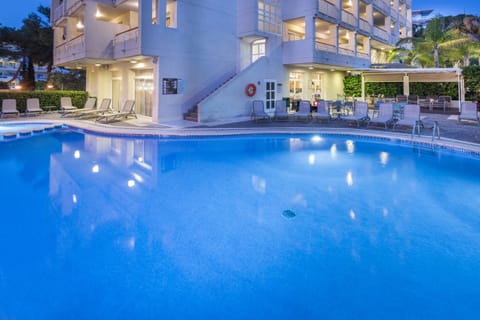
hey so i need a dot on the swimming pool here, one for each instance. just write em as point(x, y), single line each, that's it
point(253, 227)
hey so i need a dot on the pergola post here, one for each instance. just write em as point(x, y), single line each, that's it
point(406, 85)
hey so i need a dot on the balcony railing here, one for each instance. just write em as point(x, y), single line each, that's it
point(346, 51)
point(364, 55)
point(66, 8)
point(381, 33)
point(349, 18)
point(384, 6)
point(70, 50)
point(126, 43)
point(328, 9)
point(364, 25)
point(322, 46)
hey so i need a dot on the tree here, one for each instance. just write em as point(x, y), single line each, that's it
point(31, 44)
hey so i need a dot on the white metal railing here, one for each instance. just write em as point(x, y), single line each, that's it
point(70, 50)
point(328, 9)
point(346, 51)
point(322, 46)
point(383, 5)
point(66, 8)
point(364, 55)
point(349, 18)
point(126, 42)
point(381, 33)
point(364, 25)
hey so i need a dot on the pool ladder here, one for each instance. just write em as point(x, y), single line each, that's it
point(417, 127)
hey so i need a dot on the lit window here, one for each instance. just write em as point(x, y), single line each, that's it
point(258, 49)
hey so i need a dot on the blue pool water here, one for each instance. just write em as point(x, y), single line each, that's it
point(255, 227)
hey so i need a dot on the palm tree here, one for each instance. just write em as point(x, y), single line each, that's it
point(435, 33)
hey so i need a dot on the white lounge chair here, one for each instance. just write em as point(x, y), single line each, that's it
point(89, 105)
point(127, 110)
point(281, 112)
point(360, 113)
point(33, 107)
point(9, 107)
point(385, 115)
point(258, 111)
point(468, 111)
point(322, 111)
point(411, 117)
point(103, 108)
point(66, 104)
point(303, 110)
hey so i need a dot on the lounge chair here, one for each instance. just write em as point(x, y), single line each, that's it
point(385, 115)
point(33, 107)
point(89, 105)
point(103, 108)
point(258, 111)
point(126, 111)
point(468, 111)
point(9, 106)
point(303, 110)
point(281, 112)
point(66, 104)
point(360, 113)
point(322, 111)
point(411, 117)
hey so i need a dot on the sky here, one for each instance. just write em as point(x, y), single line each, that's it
point(12, 14)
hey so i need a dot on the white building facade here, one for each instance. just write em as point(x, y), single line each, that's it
point(178, 57)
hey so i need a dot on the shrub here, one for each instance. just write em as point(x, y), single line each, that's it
point(47, 98)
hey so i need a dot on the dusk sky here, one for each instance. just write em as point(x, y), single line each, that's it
point(13, 14)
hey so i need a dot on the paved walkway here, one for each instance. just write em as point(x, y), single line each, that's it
point(466, 132)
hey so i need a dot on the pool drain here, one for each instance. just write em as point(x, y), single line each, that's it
point(289, 214)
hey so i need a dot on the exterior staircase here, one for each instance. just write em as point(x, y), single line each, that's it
point(193, 114)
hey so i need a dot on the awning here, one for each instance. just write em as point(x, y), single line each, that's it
point(407, 75)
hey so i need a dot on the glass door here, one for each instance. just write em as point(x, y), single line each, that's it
point(270, 94)
point(144, 92)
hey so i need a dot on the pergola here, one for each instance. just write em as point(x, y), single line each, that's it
point(407, 75)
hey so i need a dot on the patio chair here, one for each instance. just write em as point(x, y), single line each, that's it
point(303, 110)
point(360, 113)
point(127, 110)
point(411, 117)
point(89, 105)
point(281, 112)
point(33, 107)
point(468, 111)
point(385, 115)
point(66, 104)
point(104, 107)
point(9, 106)
point(258, 111)
point(322, 111)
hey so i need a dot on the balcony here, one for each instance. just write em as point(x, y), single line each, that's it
point(66, 8)
point(364, 25)
point(348, 18)
point(380, 33)
point(322, 46)
point(346, 51)
point(383, 6)
point(70, 50)
point(126, 43)
point(328, 9)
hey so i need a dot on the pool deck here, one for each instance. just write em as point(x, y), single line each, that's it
point(464, 136)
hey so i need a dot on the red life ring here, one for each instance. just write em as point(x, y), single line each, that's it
point(250, 90)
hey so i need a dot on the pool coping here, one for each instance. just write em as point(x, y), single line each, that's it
point(424, 140)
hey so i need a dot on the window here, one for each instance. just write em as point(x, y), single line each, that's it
point(154, 11)
point(269, 17)
point(171, 14)
point(258, 49)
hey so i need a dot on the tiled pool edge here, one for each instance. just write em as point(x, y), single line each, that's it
point(105, 129)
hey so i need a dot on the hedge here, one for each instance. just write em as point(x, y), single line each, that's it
point(47, 98)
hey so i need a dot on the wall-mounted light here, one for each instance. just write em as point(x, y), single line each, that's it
point(80, 25)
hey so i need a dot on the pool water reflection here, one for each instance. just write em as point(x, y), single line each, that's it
point(288, 226)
